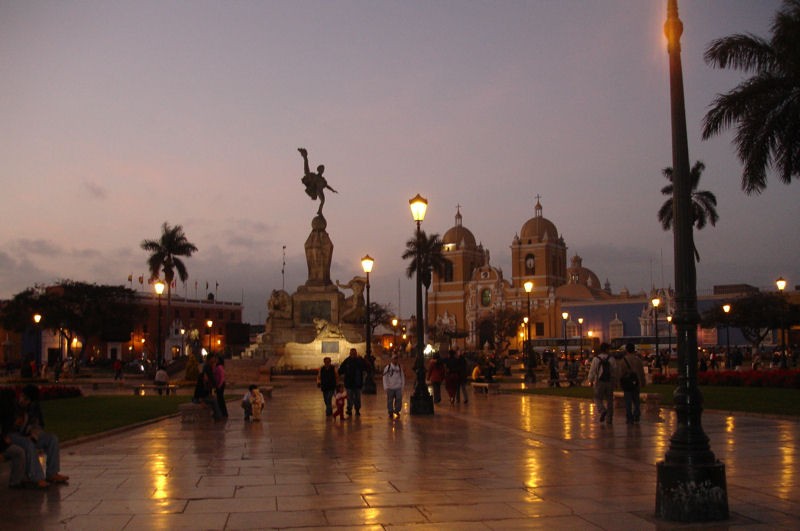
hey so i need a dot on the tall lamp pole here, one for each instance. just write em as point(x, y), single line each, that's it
point(159, 287)
point(394, 334)
point(727, 309)
point(209, 324)
point(369, 382)
point(669, 331)
point(690, 481)
point(656, 302)
point(421, 400)
point(528, 285)
point(580, 337)
point(564, 317)
point(781, 285)
point(37, 318)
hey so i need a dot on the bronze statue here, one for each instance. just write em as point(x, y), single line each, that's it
point(315, 183)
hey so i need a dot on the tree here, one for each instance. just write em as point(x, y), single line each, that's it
point(704, 203)
point(755, 316)
point(505, 323)
point(379, 314)
point(165, 256)
point(765, 108)
point(431, 258)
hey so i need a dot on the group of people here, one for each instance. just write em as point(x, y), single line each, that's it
point(342, 387)
point(23, 440)
point(210, 387)
point(607, 372)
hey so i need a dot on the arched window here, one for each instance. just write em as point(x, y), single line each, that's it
point(448, 271)
point(530, 265)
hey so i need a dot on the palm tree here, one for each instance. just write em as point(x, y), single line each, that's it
point(704, 203)
point(164, 257)
point(765, 108)
point(432, 259)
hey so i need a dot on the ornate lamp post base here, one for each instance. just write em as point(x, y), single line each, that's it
point(421, 403)
point(691, 493)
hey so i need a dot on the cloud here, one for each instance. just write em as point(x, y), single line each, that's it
point(37, 247)
point(95, 190)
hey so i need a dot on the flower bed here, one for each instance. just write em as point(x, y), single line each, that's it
point(780, 378)
point(53, 392)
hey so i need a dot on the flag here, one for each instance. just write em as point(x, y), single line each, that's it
point(130, 277)
point(217, 287)
point(206, 285)
point(141, 279)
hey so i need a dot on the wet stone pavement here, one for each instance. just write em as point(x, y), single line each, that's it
point(499, 462)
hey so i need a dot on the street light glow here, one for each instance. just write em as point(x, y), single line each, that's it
point(366, 263)
point(781, 283)
point(418, 206)
point(528, 286)
point(159, 287)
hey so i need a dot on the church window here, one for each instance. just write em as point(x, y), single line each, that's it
point(486, 297)
point(448, 271)
point(530, 265)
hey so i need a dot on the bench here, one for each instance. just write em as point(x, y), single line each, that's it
point(486, 387)
point(140, 390)
point(651, 401)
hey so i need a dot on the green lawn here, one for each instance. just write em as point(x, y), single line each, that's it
point(764, 400)
point(70, 418)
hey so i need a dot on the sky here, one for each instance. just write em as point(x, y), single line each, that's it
point(118, 116)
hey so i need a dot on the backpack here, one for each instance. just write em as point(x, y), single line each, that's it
point(630, 380)
point(605, 370)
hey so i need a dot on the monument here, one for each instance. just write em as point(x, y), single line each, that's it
point(317, 320)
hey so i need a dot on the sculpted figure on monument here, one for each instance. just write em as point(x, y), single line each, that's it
point(325, 329)
point(354, 305)
point(315, 183)
point(280, 305)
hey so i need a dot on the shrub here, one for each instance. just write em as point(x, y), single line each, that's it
point(52, 392)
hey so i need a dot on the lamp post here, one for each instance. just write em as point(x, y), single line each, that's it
point(580, 337)
point(183, 344)
point(209, 324)
point(528, 286)
point(727, 309)
point(37, 318)
point(159, 287)
point(656, 302)
point(669, 331)
point(369, 382)
point(421, 400)
point(689, 472)
point(781, 285)
point(564, 317)
point(394, 334)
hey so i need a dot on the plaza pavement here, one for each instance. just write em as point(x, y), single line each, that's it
point(499, 462)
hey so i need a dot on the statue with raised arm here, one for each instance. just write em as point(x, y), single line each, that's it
point(315, 183)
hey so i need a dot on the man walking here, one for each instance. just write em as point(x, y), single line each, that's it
point(326, 381)
point(353, 369)
point(631, 381)
point(393, 382)
point(601, 376)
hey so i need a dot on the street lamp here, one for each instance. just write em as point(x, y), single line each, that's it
point(669, 331)
point(209, 324)
point(421, 400)
point(159, 287)
point(580, 337)
point(394, 334)
point(37, 317)
point(366, 264)
point(656, 302)
point(781, 284)
point(727, 309)
point(689, 471)
point(183, 336)
point(564, 317)
point(528, 285)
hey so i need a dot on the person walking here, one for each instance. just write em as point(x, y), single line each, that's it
point(631, 380)
point(219, 381)
point(463, 374)
point(451, 376)
point(601, 376)
point(326, 381)
point(393, 382)
point(353, 370)
point(436, 377)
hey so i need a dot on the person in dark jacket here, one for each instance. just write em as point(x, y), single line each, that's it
point(326, 381)
point(9, 451)
point(353, 370)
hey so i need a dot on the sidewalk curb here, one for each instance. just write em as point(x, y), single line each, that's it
point(115, 431)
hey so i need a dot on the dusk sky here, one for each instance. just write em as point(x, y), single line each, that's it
point(118, 116)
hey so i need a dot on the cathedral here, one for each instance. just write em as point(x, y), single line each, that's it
point(465, 294)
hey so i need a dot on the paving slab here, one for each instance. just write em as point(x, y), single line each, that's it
point(504, 461)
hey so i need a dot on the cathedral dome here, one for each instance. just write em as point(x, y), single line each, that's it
point(458, 236)
point(538, 229)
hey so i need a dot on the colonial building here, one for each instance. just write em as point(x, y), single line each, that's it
point(463, 298)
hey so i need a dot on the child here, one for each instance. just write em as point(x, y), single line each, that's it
point(339, 399)
point(256, 403)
